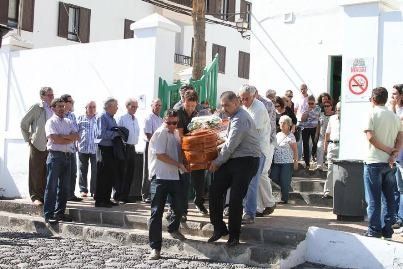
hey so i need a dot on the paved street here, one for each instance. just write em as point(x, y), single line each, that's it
point(28, 250)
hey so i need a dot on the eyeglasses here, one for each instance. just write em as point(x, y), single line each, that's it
point(171, 122)
point(311, 104)
point(327, 106)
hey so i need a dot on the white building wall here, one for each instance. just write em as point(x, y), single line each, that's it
point(286, 54)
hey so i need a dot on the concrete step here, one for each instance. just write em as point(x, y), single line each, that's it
point(306, 198)
point(299, 184)
point(194, 226)
point(311, 173)
point(267, 255)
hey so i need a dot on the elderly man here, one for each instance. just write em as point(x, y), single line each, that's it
point(106, 162)
point(152, 122)
point(166, 164)
point(87, 148)
point(130, 122)
point(33, 131)
point(69, 107)
point(61, 133)
point(331, 146)
point(235, 166)
point(258, 112)
point(384, 134)
point(265, 200)
point(301, 105)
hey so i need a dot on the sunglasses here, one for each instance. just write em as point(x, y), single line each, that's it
point(171, 122)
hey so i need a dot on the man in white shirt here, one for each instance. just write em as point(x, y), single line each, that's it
point(301, 105)
point(152, 122)
point(258, 112)
point(130, 122)
point(331, 146)
point(165, 164)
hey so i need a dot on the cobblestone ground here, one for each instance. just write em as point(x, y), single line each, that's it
point(29, 250)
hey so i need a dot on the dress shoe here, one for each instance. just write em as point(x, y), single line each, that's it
point(177, 235)
point(217, 235)
point(64, 217)
point(51, 220)
point(155, 255)
point(259, 215)
point(75, 199)
point(102, 204)
point(202, 209)
point(184, 218)
point(37, 203)
point(113, 203)
point(123, 202)
point(232, 241)
point(269, 210)
point(147, 200)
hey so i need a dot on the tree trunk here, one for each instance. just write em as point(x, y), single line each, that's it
point(199, 29)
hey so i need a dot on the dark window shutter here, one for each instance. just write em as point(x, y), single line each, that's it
point(84, 25)
point(127, 32)
point(231, 10)
point(222, 59)
point(243, 9)
point(4, 12)
point(63, 20)
point(247, 65)
point(240, 64)
point(28, 15)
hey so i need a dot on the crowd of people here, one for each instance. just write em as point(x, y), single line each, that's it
point(266, 138)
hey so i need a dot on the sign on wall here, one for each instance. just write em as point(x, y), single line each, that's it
point(359, 79)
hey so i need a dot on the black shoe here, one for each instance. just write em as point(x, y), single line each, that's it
point(367, 234)
point(147, 200)
point(75, 199)
point(269, 210)
point(259, 215)
point(202, 209)
point(184, 218)
point(64, 217)
point(177, 235)
point(103, 204)
point(113, 203)
point(123, 202)
point(232, 241)
point(217, 235)
point(51, 220)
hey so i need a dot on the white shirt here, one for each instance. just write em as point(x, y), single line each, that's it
point(301, 105)
point(333, 128)
point(59, 126)
point(152, 123)
point(130, 122)
point(164, 142)
point(258, 112)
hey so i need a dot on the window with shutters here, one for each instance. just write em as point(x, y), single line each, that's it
point(243, 65)
point(246, 9)
point(74, 22)
point(221, 57)
point(127, 32)
point(10, 14)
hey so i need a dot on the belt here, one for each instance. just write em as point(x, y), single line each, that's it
point(334, 142)
point(61, 152)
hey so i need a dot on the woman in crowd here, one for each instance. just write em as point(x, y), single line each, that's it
point(396, 105)
point(321, 131)
point(282, 109)
point(309, 122)
point(323, 97)
point(285, 158)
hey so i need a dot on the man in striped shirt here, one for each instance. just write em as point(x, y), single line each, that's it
point(69, 107)
point(87, 148)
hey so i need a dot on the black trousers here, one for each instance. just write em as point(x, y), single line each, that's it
point(235, 174)
point(145, 186)
point(107, 167)
point(126, 174)
point(306, 134)
point(162, 189)
point(197, 179)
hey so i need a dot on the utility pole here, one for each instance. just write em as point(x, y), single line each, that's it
point(199, 45)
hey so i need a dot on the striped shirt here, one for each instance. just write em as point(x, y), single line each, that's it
point(87, 129)
point(59, 126)
point(152, 123)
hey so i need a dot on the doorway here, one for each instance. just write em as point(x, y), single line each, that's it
point(336, 64)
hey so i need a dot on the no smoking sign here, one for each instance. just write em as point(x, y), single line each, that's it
point(358, 84)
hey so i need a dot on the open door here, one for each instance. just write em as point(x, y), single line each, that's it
point(336, 64)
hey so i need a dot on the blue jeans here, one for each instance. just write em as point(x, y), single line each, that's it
point(250, 200)
point(399, 201)
point(58, 183)
point(379, 179)
point(163, 188)
point(281, 174)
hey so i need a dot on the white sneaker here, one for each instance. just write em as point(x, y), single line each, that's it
point(155, 254)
